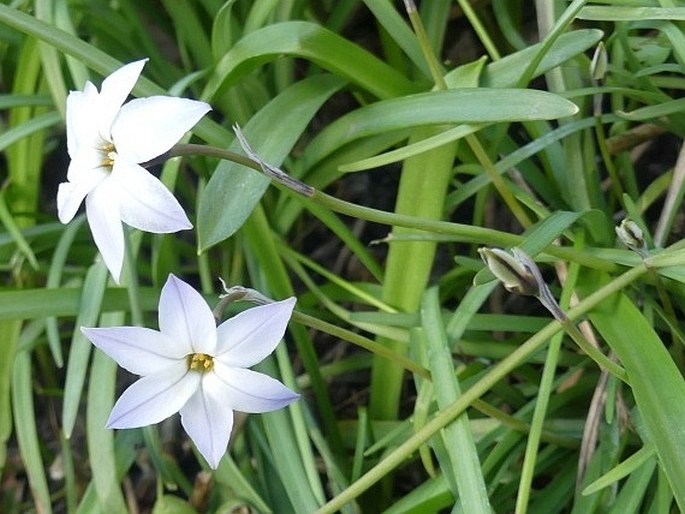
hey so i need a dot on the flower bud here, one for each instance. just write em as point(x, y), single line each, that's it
point(599, 64)
point(515, 274)
point(631, 235)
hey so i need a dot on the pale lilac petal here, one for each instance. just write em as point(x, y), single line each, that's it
point(147, 127)
point(184, 314)
point(247, 338)
point(142, 351)
point(154, 398)
point(249, 391)
point(208, 422)
point(114, 92)
point(102, 210)
point(82, 126)
point(145, 203)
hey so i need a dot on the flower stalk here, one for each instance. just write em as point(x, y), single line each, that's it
point(632, 237)
point(519, 274)
point(459, 231)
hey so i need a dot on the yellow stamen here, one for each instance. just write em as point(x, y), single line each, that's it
point(110, 153)
point(200, 362)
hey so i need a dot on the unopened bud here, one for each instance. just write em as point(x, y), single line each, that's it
point(631, 235)
point(515, 275)
point(599, 64)
point(240, 293)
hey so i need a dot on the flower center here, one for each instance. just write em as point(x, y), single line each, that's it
point(109, 154)
point(200, 362)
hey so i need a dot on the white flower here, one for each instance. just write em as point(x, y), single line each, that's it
point(107, 140)
point(192, 366)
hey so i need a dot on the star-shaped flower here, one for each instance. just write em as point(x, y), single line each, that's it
point(192, 366)
point(107, 140)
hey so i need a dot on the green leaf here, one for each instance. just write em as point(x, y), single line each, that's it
point(627, 13)
point(94, 58)
point(507, 71)
point(65, 301)
point(169, 504)
point(12, 228)
point(458, 436)
point(27, 431)
point(502, 73)
point(233, 190)
point(312, 42)
point(9, 335)
point(476, 105)
point(79, 351)
point(622, 470)
point(101, 391)
point(656, 382)
point(398, 29)
point(40, 122)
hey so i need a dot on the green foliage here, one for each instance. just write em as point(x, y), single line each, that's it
point(426, 135)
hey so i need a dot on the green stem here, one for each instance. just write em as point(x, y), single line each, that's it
point(471, 139)
point(436, 70)
point(497, 181)
point(514, 423)
point(497, 373)
point(461, 232)
point(535, 436)
point(606, 158)
point(591, 351)
point(130, 281)
point(361, 341)
point(479, 29)
point(670, 316)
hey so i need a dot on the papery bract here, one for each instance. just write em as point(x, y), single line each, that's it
point(107, 141)
point(193, 367)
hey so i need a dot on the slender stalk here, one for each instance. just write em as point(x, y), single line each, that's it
point(436, 70)
point(479, 29)
point(497, 181)
point(130, 281)
point(616, 186)
point(497, 373)
point(461, 232)
point(550, 303)
point(471, 139)
point(595, 354)
point(533, 441)
point(361, 341)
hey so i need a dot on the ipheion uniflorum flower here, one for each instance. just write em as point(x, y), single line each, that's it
point(107, 140)
point(192, 366)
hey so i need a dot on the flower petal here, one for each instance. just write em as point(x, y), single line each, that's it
point(82, 126)
point(208, 422)
point(114, 92)
point(154, 398)
point(71, 194)
point(249, 391)
point(142, 351)
point(145, 203)
point(247, 338)
point(184, 315)
point(102, 210)
point(147, 127)
point(87, 163)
